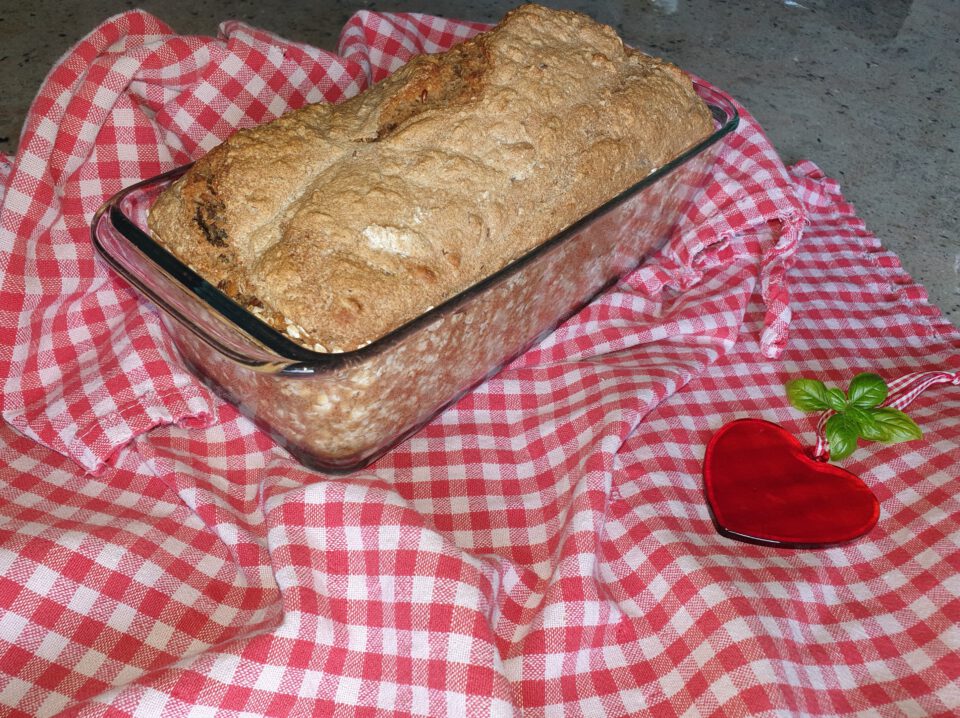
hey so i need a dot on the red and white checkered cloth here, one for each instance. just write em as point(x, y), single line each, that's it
point(542, 548)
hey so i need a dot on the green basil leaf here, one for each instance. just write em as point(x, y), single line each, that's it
point(867, 424)
point(867, 390)
point(841, 432)
point(808, 394)
point(836, 399)
point(896, 425)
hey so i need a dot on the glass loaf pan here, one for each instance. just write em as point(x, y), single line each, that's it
point(339, 412)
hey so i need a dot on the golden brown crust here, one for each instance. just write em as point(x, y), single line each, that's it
point(346, 221)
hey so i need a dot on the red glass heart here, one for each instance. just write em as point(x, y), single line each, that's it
point(763, 488)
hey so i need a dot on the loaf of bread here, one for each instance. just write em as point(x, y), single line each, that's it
point(338, 223)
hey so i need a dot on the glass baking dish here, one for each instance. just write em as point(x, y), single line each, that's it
point(339, 412)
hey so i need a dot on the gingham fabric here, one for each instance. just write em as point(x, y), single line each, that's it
point(542, 548)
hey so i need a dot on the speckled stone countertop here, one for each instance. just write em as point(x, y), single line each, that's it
point(868, 89)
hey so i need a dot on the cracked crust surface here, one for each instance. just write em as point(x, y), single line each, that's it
point(344, 221)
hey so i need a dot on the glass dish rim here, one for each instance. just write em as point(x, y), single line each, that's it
point(292, 358)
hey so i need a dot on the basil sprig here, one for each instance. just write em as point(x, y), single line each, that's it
point(858, 414)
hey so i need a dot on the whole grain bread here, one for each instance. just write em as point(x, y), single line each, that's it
point(338, 223)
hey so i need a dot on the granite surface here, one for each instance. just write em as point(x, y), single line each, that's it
point(866, 89)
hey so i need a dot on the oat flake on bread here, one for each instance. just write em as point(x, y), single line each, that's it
point(345, 221)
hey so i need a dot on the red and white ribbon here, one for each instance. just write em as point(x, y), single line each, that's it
point(901, 392)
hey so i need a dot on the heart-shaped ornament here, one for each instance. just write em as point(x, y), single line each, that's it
point(762, 487)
